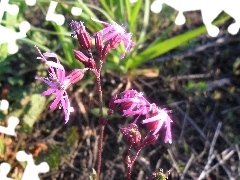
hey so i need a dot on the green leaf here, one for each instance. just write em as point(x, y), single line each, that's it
point(107, 5)
point(153, 51)
point(95, 111)
point(2, 146)
point(34, 109)
point(133, 16)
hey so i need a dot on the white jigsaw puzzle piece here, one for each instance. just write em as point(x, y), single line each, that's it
point(30, 2)
point(10, 129)
point(12, 121)
point(10, 8)
point(210, 9)
point(8, 35)
point(4, 170)
point(31, 170)
point(76, 11)
point(51, 16)
point(4, 105)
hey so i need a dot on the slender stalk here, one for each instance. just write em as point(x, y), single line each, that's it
point(129, 169)
point(100, 145)
point(129, 165)
point(100, 120)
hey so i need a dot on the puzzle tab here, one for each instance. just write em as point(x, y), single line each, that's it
point(8, 35)
point(4, 170)
point(210, 10)
point(12, 121)
point(31, 170)
point(10, 129)
point(4, 105)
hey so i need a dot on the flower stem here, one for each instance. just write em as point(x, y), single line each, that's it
point(100, 145)
point(129, 165)
point(100, 120)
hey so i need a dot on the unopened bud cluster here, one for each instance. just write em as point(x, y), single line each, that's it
point(105, 40)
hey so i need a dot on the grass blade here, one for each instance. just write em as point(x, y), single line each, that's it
point(160, 48)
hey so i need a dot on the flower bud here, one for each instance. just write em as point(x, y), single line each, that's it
point(149, 140)
point(131, 133)
point(112, 105)
point(105, 51)
point(76, 75)
point(80, 56)
point(83, 36)
point(88, 62)
point(98, 44)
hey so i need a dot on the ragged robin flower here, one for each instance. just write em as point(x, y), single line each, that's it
point(133, 103)
point(58, 82)
point(114, 34)
point(157, 118)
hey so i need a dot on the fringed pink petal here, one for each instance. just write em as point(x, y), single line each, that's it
point(67, 109)
point(48, 92)
point(59, 95)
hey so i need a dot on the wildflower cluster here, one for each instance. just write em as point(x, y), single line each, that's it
point(133, 103)
point(58, 80)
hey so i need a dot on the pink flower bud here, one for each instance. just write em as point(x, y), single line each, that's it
point(88, 62)
point(105, 51)
point(98, 44)
point(149, 140)
point(83, 36)
point(131, 133)
point(80, 56)
point(112, 105)
point(76, 75)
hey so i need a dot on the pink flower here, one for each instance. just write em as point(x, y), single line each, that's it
point(59, 82)
point(115, 33)
point(133, 103)
point(155, 123)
